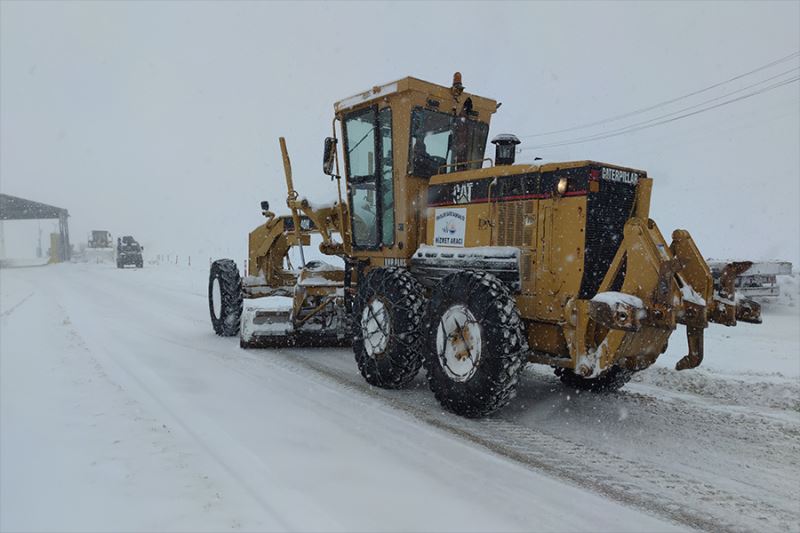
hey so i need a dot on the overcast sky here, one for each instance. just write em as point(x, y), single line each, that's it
point(161, 120)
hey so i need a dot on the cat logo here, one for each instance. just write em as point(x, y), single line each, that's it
point(462, 193)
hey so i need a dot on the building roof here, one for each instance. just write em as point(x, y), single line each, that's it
point(15, 208)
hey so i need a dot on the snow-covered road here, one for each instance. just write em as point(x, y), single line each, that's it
point(120, 410)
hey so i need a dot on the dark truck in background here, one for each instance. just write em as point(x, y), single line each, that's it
point(129, 252)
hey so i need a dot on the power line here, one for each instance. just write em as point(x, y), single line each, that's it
point(650, 124)
point(701, 131)
point(694, 106)
point(666, 102)
point(646, 126)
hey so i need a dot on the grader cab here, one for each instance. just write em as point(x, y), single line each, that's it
point(470, 266)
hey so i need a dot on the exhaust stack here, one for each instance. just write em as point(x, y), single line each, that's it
point(505, 148)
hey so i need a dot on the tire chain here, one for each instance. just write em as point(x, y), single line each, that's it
point(384, 281)
point(504, 386)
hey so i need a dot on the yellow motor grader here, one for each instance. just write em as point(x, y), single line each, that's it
point(471, 266)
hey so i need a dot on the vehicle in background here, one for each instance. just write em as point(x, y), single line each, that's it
point(129, 252)
point(100, 239)
point(98, 248)
point(759, 280)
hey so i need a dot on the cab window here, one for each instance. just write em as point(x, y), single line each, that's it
point(365, 224)
point(368, 156)
point(443, 143)
point(387, 176)
point(360, 136)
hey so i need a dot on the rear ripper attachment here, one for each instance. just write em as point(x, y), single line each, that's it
point(471, 267)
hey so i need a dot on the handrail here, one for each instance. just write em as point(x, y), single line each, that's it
point(466, 163)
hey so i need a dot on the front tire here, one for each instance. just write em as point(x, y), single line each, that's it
point(610, 380)
point(387, 340)
point(475, 344)
point(225, 297)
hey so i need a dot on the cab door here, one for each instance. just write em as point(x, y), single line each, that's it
point(368, 156)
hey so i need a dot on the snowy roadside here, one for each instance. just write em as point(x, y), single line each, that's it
point(122, 411)
point(713, 448)
point(77, 449)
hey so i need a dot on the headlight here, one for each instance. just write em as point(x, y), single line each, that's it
point(561, 188)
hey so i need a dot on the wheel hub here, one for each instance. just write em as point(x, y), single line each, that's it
point(216, 298)
point(375, 327)
point(459, 343)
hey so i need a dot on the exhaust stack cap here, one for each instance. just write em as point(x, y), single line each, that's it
point(505, 148)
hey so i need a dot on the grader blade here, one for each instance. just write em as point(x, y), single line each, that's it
point(313, 315)
point(271, 327)
point(266, 321)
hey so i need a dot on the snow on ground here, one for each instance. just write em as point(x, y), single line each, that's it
point(18, 263)
point(120, 410)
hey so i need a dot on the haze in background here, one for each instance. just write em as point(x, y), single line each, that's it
point(161, 120)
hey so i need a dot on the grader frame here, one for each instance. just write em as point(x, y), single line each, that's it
point(563, 258)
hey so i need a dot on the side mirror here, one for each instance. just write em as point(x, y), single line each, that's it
point(265, 205)
point(329, 155)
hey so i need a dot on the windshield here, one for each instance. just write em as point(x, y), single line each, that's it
point(439, 139)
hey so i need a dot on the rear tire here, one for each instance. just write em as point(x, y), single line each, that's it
point(475, 344)
point(387, 339)
point(610, 380)
point(225, 297)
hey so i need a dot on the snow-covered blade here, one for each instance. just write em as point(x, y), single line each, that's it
point(313, 315)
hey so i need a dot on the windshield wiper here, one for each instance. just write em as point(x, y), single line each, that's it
point(350, 151)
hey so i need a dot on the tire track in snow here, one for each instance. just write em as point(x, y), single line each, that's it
point(530, 448)
point(618, 478)
point(258, 369)
point(164, 409)
point(237, 360)
point(675, 495)
point(14, 307)
point(589, 468)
